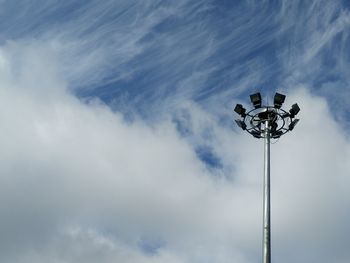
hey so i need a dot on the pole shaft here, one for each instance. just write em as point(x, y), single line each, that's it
point(267, 211)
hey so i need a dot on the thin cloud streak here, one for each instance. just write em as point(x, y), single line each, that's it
point(185, 50)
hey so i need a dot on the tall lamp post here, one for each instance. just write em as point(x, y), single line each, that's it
point(268, 122)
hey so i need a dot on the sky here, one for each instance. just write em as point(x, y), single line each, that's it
point(117, 139)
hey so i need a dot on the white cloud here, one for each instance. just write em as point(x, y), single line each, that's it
point(66, 162)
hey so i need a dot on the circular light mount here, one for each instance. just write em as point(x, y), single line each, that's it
point(278, 120)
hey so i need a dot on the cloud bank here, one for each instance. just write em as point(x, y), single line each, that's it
point(79, 183)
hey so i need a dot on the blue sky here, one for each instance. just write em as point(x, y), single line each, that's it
point(117, 137)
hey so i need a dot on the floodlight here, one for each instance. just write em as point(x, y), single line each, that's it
point(241, 124)
point(277, 134)
point(256, 100)
point(278, 100)
point(240, 110)
point(294, 110)
point(292, 124)
point(256, 134)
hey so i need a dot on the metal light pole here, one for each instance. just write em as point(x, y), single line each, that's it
point(267, 187)
point(267, 122)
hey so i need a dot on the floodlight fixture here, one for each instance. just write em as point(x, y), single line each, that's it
point(256, 134)
point(292, 124)
point(294, 110)
point(278, 100)
point(277, 134)
point(268, 122)
point(241, 124)
point(240, 110)
point(256, 100)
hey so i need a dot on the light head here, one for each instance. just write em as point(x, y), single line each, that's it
point(256, 100)
point(256, 134)
point(278, 100)
point(277, 134)
point(240, 110)
point(294, 110)
point(292, 124)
